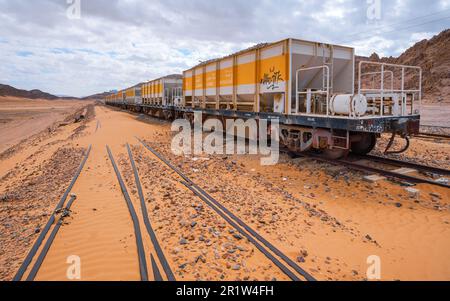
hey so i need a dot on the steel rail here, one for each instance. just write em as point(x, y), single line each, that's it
point(151, 232)
point(228, 219)
point(391, 174)
point(156, 272)
point(432, 136)
point(37, 265)
point(137, 230)
point(237, 223)
point(38, 242)
point(365, 168)
point(420, 167)
point(99, 126)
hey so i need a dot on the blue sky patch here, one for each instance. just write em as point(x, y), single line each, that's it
point(89, 51)
point(24, 53)
point(61, 50)
point(185, 51)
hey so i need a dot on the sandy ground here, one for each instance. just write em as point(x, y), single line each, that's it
point(22, 118)
point(324, 217)
point(432, 152)
point(100, 231)
point(332, 215)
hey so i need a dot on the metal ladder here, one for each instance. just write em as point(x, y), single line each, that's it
point(328, 61)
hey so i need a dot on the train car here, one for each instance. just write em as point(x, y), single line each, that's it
point(120, 98)
point(320, 98)
point(161, 95)
point(165, 91)
point(133, 96)
point(310, 86)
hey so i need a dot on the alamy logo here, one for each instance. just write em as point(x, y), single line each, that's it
point(74, 269)
point(214, 144)
point(73, 11)
point(374, 270)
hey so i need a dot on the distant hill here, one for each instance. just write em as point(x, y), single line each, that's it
point(6, 90)
point(433, 56)
point(97, 96)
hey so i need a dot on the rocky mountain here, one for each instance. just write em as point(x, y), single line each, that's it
point(433, 56)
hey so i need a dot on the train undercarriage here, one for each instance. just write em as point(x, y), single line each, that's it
point(334, 138)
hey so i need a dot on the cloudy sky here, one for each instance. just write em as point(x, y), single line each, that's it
point(110, 44)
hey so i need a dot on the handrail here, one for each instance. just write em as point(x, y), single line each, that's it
point(382, 90)
point(399, 90)
point(379, 72)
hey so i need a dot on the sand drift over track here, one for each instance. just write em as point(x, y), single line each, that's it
point(43, 234)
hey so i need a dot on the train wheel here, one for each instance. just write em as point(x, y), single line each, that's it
point(365, 145)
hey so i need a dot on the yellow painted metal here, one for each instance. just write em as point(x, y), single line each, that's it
point(273, 68)
point(240, 78)
point(152, 93)
point(246, 74)
point(198, 79)
point(131, 92)
point(226, 77)
point(187, 83)
point(211, 78)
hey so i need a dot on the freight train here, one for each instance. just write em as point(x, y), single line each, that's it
point(308, 86)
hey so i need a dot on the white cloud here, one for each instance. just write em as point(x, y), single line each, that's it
point(120, 43)
point(369, 45)
point(444, 3)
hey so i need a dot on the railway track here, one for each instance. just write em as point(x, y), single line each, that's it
point(420, 167)
point(160, 254)
point(61, 211)
point(138, 234)
point(98, 126)
point(433, 136)
point(137, 230)
point(390, 168)
point(281, 260)
point(36, 246)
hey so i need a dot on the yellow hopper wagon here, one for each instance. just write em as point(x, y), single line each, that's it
point(321, 99)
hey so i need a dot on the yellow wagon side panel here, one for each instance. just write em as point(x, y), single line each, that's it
point(246, 74)
point(187, 83)
point(198, 79)
point(226, 77)
point(211, 78)
point(273, 73)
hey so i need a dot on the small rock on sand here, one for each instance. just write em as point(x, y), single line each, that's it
point(301, 259)
point(413, 192)
point(237, 236)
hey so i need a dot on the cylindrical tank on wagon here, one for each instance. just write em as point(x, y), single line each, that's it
point(348, 104)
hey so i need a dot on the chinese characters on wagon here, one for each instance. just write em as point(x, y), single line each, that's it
point(272, 79)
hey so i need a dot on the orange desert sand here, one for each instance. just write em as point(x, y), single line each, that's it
point(326, 218)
